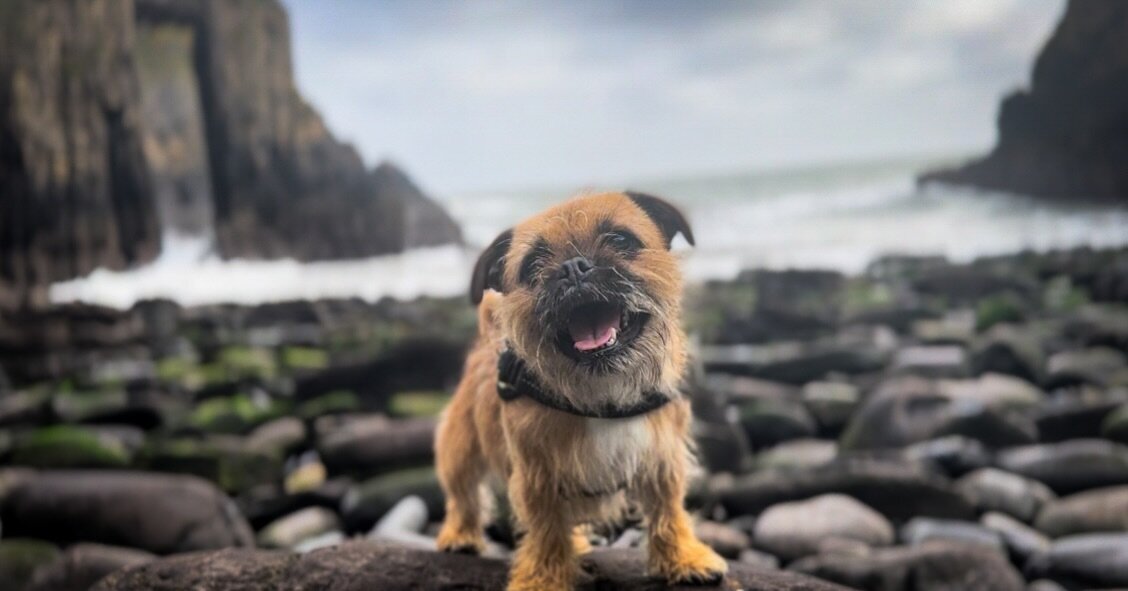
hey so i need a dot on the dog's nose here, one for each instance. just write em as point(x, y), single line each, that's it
point(575, 269)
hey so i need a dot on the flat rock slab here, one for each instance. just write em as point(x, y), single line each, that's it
point(363, 566)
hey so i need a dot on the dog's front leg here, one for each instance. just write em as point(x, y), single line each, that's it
point(545, 559)
point(675, 551)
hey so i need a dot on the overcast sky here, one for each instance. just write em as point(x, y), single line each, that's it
point(481, 95)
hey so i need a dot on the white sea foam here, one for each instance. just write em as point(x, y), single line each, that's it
point(840, 218)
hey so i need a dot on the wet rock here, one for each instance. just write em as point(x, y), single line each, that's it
point(1087, 560)
point(83, 565)
point(1088, 366)
point(1098, 510)
point(991, 489)
point(831, 404)
point(1021, 540)
point(895, 489)
point(936, 566)
point(768, 422)
point(366, 445)
point(796, 529)
point(937, 361)
point(727, 541)
point(64, 446)
point(289, 531)
point(1008, 350)
point(922, 530)
point(225, 460)
point(280, 436)
point(155, 512)
point(368, 565)
point(20, 558)
point(794, 363)
point(1069, 466)
point(370, 500)
point(798, 453)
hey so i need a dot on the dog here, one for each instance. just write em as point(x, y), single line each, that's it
point(570, 396)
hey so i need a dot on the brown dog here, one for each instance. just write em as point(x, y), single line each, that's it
point(570, 395)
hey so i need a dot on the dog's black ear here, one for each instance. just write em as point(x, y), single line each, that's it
point(669, 219)
point(488, 269)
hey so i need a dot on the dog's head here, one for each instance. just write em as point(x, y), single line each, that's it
point(592, 295)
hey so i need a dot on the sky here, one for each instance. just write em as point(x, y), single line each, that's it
point(471, 96)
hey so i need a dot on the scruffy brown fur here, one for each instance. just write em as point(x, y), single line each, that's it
point(563, 470)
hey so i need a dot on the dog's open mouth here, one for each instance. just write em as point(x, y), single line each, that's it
point(599, 328)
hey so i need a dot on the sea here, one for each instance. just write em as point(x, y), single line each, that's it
point(839, 216)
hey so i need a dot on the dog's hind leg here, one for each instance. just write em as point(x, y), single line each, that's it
point(461, 468)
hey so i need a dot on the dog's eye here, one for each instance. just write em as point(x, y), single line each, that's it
point(532, 264)
point(623, 241)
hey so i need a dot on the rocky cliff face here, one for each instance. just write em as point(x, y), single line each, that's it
point(75, 192)
point(1068, 135)
point(100, 138)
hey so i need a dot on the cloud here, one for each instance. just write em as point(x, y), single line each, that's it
point(481, 95)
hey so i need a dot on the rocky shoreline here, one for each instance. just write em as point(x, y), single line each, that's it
point(922, 426)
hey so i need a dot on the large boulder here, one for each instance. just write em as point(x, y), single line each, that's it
point(154, 512)
point(358, 566)
point(1065, 136)
point(83, 565)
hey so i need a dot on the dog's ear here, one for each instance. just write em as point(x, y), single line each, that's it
point(488, 269)
point(669, 219)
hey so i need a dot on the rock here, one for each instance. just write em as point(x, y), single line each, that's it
point(225, 460)
point(1087, 560)
point(1115, 425)
point(64, 446)
point(325, 540)
point(831, 404)
point(953, 455)
point(901, 411)
point(367, 565)
point(969, 284)
point(279, 437)
point(956, 327)
point(1008, 350)
point(1060, 139)
point(721, 446)
point(265, 503)
point(1044, 585)
point(991, 489)
point(79, 148)
point(20, 558)
point(1065, 419)
point(727, 541)
point(371, 445)
point(936, 361)
point(992, 428)
point(408, 515)
point(794, 363)
point(155, 512)
point(83, 565)
point(996, 391)
point(289, 531)
point(1088, 366)
point(796, 529)
point(922, 530)
point(769, 422)
point(896, 490)
point(1069, 466)
point(765, 305)
point(1021, 540)
point(1097, 510)
point(370, 500)
point(936, 566)
point(798, 453)
point(758, 559)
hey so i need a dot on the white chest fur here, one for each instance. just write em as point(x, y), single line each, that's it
point(615, 450)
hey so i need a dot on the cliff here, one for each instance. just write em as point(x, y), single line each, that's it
point(122, 117)
point(1067, 136)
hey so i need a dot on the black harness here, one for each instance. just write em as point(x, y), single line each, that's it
point(514, 380)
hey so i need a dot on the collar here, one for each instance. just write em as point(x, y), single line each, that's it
point(515, 379)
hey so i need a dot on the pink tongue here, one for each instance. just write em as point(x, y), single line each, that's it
point(592, 332)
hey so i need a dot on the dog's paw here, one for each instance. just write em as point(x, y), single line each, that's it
point(695, 564)
point(461, 543)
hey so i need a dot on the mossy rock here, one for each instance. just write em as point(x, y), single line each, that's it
point(65, 446)
point(19, 558)
point(235, 414)
point(1115, 425)
point(226, 461)
point(1061, 295)
point(997, 309)
point(247, 362)
point(79, 406)
point(366, 502)
point(304, 358)
point(335, 402)
point(418, 404)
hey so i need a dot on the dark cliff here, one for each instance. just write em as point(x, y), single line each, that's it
point(198, 125)
point(1067, 136)
point(75, 192)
